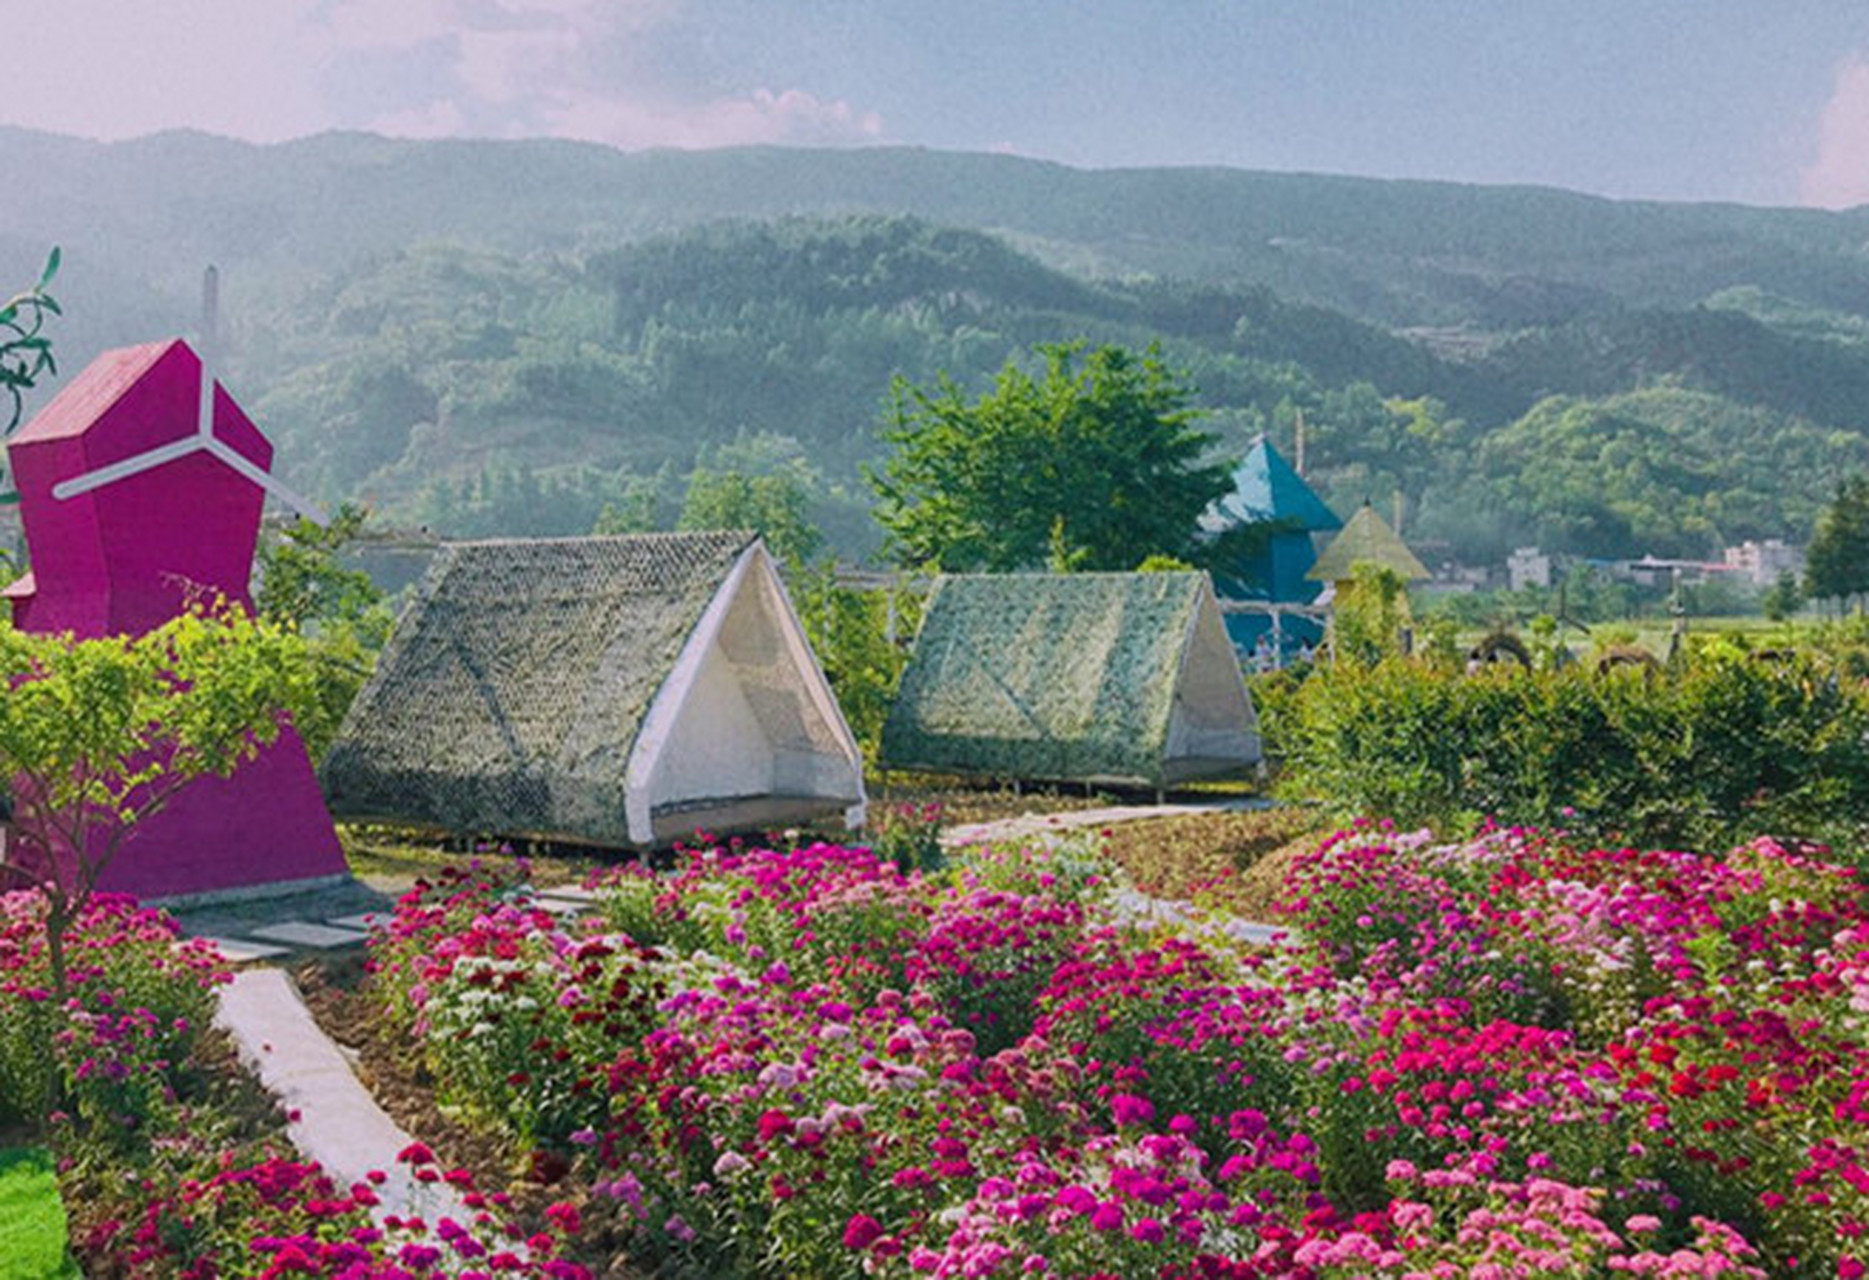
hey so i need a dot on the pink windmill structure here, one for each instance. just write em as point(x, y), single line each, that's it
point(141, 486)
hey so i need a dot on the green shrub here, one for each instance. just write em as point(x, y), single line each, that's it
point(1714, 752)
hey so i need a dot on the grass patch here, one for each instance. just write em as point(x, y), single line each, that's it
point(32, 1219)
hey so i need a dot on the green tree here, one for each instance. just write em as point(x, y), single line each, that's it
point(1371, 611)
point(1783, 598)
point(633, 512)
point(774, 505)
point(1095, 465)
point(305, 587)
point(1836, 566)
point(98, 735)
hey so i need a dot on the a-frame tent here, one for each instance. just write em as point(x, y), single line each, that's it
point(1367, 539)
point(607, 691)
point(1124, 678)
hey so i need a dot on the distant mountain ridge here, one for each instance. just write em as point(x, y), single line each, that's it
point(1395, 252)
point(507, 337)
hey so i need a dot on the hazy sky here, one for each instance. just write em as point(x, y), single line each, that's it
point(1763, 101)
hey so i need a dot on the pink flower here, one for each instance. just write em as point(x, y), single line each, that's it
point(1127, 1108)
point(861, 1231)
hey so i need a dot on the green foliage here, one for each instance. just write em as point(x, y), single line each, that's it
point(97, 735)
point(860, 639)
point(32, 1218)
point(25, 352)
point(908, 835)
point(1718, 749)
point(1665, 470)
point(1091, 468)
point(1837, 562)
point(340, 613)
point(1371, 610)
point(774, 505)
point(1783, 598)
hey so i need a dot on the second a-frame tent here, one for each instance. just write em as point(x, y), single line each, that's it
point(608, 691)
point(1123, 678)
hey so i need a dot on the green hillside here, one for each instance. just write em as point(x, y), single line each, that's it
point(507, 337)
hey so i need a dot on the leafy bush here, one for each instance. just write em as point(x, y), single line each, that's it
point(1721, 749)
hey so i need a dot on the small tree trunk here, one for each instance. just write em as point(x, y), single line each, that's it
point(55, 922)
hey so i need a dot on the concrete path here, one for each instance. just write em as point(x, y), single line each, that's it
point(339, 1124)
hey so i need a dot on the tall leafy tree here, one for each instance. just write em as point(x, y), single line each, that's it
point(1096, 464)
point(1836, 566)
point(773, 505)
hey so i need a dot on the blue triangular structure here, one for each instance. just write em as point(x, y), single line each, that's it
point(1267, 489)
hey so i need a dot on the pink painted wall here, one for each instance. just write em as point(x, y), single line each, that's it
point(127, 557)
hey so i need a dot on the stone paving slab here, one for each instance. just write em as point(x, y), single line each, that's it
point(568, 893)
point(303, 933)
point(339, 1124)
point(241, 918)
point(363, 921)
point(242, 950)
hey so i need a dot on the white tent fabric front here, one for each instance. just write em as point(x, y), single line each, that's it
point(606, 691)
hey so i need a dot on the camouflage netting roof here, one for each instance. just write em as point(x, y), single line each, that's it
point(1367, 539)
point(1045, 676)
point(511, 694)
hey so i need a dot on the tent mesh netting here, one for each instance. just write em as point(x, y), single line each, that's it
point(512, 692)
point(1044, 676)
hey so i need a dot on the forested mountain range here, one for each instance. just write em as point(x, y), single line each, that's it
point(496, 337)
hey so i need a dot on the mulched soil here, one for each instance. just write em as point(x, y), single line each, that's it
point(1236, 862)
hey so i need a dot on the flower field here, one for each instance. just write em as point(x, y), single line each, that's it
point(172, 1162)
point(1514, 1056)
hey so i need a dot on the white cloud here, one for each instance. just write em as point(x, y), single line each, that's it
point(791, 116)
point(123, 68)
point(507, 67)
point(265, 70)
point(437, 119)
point(1839, 177)
point(534, 67)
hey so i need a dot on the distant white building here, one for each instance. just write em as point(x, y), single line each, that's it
point(1528, 567)
point(1457, 580)
point(1761, 563)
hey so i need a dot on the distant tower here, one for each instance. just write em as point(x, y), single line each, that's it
point(211, 311)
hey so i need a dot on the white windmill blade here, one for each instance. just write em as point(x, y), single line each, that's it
point(201, 439)
point(265, 480)
point(136, 464)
